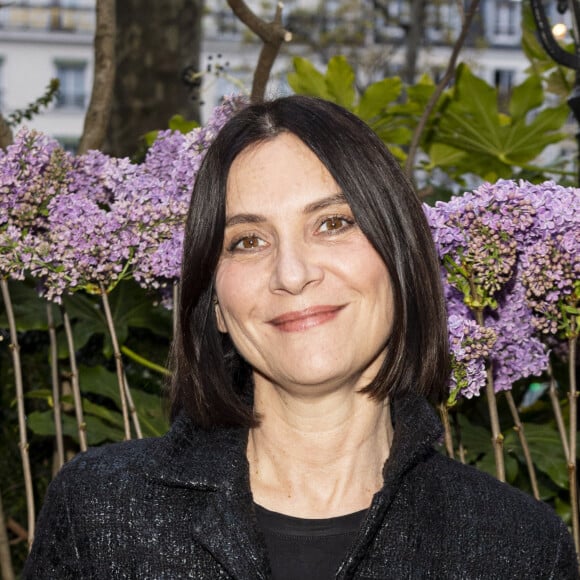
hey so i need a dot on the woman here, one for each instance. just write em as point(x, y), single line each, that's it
point(312, 330)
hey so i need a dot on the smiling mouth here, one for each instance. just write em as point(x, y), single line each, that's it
point(305, 319)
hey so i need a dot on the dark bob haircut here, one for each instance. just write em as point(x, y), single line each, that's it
point(211, 382)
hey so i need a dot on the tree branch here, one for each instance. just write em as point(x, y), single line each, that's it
point(99, 111)
point(272, 34)
point(413, 148)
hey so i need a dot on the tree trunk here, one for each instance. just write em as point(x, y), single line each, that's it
point(415, 35)
point(99, 111)
point(157, 44)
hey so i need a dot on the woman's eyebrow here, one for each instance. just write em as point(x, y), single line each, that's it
point(244, 218)
point(337, 199)
point(251, 218)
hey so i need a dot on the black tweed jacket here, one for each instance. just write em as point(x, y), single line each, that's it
point(180, 506)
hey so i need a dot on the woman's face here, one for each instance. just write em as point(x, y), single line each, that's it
point(305, 298)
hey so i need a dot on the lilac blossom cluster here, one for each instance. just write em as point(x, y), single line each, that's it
point(85, 222)
point(518, 352)
point(550, 261)
point(510, 255)
point(470, 345)
point(155, 201)
point(477, 236)
point(33, 170)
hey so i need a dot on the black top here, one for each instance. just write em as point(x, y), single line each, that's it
point(309, 549)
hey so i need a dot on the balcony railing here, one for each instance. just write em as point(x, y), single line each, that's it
point(50, 17)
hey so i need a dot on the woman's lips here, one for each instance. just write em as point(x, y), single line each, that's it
point(305, 319)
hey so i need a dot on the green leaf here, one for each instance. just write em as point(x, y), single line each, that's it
point(394, 134)
point(442, 155)
point(307, 80)
point(42, 423)
point(340, 81)
point(110, 417)
point(150, 409)
point(150, 137)
point(526, 97)
point(546, 450)
point(29, 308)
point(181, 124)
point(487, 464)
point(525, 142)
point(420, 93)
point(470, 122)
point(131, 307)
point(376, 97)
point(99, 381)
point(44, 394)
point(151, 412)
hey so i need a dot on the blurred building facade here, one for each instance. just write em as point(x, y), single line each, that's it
point(43, 39)
point(40, 40)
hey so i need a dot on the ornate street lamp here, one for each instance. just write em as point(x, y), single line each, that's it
point(561, 56)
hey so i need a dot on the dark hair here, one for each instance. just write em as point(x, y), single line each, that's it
point(210, 380)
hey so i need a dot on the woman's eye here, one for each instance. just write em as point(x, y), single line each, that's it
point(247, 243)
point(335, 223)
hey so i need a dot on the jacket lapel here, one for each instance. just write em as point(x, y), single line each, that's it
point(416, 430)
point(214, 463)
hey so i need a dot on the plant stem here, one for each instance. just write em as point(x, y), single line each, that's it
point(447, 429)
point(573, 395)
point(519, 428)
point(143, 361)
point(55, 386)
point(19, 384)
point(118, 361)
point(132, 409)
point(5, 558)
point(457, 429)
point(553, 391)
point(74, 374)
point(496, 436)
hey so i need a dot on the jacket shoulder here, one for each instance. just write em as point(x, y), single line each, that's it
point(479, 510)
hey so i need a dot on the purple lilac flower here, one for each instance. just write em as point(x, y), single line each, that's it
point(98, 176)
point(550, 258)
point(33, 170)
point(156, 201)
point(86, 246)
point(477, 235)
point(470, 345)
point(491, 228)
point(518, 353)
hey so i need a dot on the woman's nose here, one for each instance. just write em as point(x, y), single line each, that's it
point(295, 267)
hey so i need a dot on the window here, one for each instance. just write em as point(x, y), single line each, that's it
point(72, 90)
point(504, 82)
point(507, 19)
point(504, 21)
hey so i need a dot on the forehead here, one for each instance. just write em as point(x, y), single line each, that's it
point(280, 169)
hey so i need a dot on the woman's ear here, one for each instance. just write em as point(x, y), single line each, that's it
point(219, 316)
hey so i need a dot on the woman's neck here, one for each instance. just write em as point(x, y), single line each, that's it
point(317, 457)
